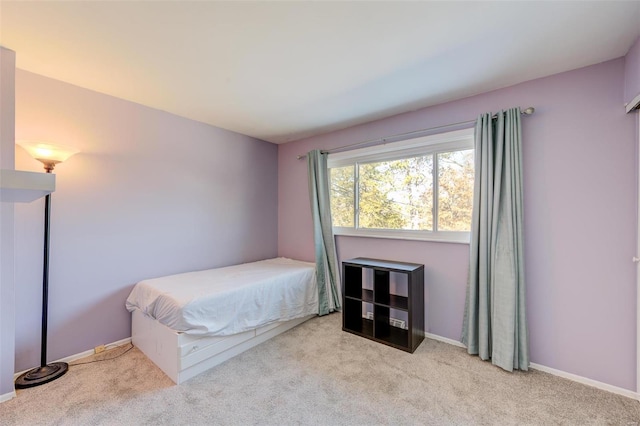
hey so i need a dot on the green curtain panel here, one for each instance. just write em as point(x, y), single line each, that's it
point(327, 275)
point(494, 324)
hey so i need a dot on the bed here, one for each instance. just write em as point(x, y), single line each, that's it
point(188, 323)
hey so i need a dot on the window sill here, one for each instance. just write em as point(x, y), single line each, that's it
point(441, 237)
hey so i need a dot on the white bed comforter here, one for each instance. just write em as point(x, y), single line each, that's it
point(229, 300)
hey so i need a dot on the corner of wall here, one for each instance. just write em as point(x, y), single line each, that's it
point(7, 286)
point(632, 77)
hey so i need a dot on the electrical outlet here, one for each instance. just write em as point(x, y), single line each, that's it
point(99, 349)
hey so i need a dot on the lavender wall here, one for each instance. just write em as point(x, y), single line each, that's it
point(150, 194)
point(580, 219)
point(7, 282)
point(632, 72)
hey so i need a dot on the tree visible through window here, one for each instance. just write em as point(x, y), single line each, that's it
point(455, 190)
point(396, 194)
point(342, 196)
point(431, 191)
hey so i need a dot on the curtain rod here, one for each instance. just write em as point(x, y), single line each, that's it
point(402, 136)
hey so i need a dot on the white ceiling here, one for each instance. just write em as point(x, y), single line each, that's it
point(280, 71)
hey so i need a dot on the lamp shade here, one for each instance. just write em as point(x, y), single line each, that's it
point(48, 154)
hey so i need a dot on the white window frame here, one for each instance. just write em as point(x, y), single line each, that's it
point(425, 145)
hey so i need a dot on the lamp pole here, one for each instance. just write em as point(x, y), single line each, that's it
point(45, 281)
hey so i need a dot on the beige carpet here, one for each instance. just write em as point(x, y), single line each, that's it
point(317, 374)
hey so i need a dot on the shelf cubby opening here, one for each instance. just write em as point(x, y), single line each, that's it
point(367, 284)
point(356, 317)
point(353, 281)
point(398, 290)
point(388, 327)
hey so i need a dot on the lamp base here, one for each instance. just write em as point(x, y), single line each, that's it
point(41, 375)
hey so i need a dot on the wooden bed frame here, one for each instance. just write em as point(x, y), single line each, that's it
point(182, 356)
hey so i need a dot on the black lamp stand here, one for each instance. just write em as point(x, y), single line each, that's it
point(46, 372)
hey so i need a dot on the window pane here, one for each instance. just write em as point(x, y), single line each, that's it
point(397, 194)
point(455, 190)
point(342, 196)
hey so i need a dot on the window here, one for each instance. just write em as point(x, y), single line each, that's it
point(416, 189)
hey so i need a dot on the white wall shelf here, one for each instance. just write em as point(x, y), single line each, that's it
point(18, 186)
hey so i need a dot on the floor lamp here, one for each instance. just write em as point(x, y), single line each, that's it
point(49, 155)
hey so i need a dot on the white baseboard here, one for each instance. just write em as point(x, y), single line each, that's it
point(7, 396)
point(84, 354)
point(586, 381)
point(574, 377)
point(444, 339)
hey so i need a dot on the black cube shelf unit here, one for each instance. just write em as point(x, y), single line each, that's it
point(384, 301)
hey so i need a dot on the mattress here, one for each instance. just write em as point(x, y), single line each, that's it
point(229, 300)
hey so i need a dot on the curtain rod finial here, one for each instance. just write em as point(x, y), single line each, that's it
point(529, 110)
